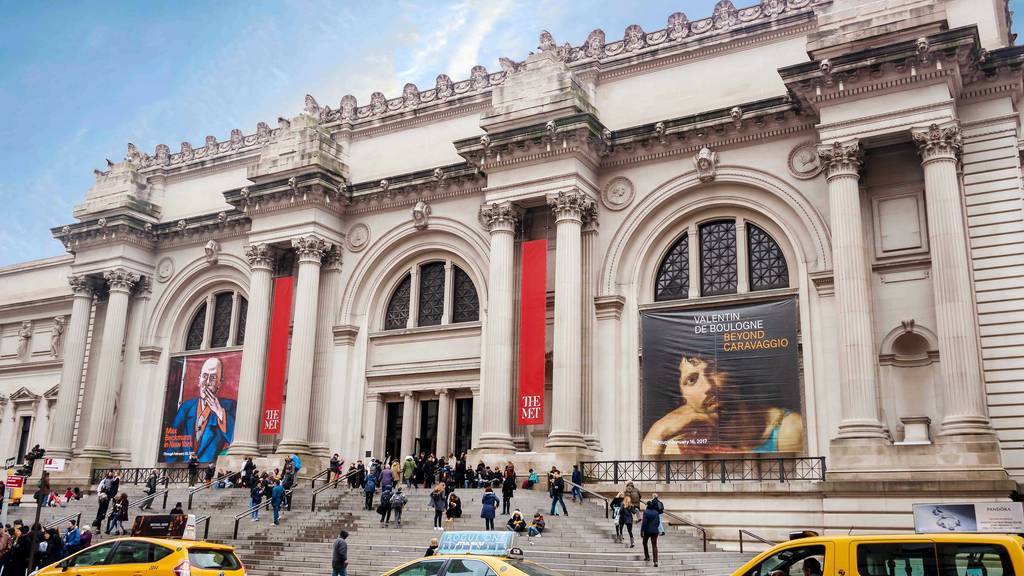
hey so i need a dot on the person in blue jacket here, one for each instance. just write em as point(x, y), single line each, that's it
point(369, 487)
point(255, 497)
point(650, 529)
point(276, 498)
point(489, 503)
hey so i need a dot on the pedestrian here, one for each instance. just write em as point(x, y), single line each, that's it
point(650, 529)
point(655, 503)
point(633, 493)
point(616, 506)
point(387, 478)
point(369, 487)
point(408, 471)
point(438, 504)
point(339, 555)
point(268, 492)
point(516, 522)
point(432, 549)
point(288, 482)
point(150, 489)
point(577, 483)
point(211, 471)
point(177, 510)
point(384, 507)
point(454, 509)
point(460, 472)
point(276, 499)
point(72, 537)
point(118, 515)
point(255, 498)
point(397, 504)
point(193, 470)
point(334, 469)
point(43, 490)
point(627, 514)
point(101, 513)
point(249, 472)
point(508, 489)
point(556, 490)
point(488, 507)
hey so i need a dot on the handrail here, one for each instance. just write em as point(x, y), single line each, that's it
point(319, 475)
point(206, 532)
point(247, 511)
point(703, 531)
point(761, 469)
point(607, 505)
point(59, 521)
point(136, 503)
point(755, 537)
point(329, 485)
point(206, 486)
point(174, 474)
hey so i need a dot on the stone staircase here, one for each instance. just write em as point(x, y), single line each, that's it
point(575, 545)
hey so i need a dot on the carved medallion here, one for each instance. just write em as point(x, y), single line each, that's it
point(804, 162)
point(164, 269)
point(357, 238)
point(618, 193)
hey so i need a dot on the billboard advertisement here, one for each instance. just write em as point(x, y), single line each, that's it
point(990, 517)
point(721, 380)
point(199, 406)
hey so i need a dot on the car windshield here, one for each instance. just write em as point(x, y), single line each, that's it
point(213, 559)
point(531, 569)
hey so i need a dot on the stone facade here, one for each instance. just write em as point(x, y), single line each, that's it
point(877, 143)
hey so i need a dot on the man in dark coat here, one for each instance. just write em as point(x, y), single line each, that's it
point(339, 556)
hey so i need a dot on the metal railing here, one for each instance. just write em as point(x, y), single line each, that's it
point(755, 537)
point(329, 485)
point(76, 516)
point(607, 501)
point(206, 530)
point(138, 503)
point(321, 474)
point(286, 504)
point(781, 469)
point(140, 475)
point(206, 486)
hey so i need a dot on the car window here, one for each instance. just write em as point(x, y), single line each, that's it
point(903, 558)
point(92, 557)
point(790, 562)
point(421, 568)
point(132, 552)
point(213, 559)
point(468, 568)
point(974, 560)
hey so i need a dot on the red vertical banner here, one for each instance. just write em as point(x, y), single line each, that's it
point(532, 320)
point(277, 356)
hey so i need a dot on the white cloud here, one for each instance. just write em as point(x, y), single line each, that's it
point(430, 47)
point(467, 51)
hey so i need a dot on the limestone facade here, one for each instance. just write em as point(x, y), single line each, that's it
point(877, 144)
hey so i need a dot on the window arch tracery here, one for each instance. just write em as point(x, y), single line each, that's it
point(432, 293)
point(218, 322)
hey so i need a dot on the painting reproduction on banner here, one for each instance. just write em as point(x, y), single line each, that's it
point(721, 381)
point(199, 408)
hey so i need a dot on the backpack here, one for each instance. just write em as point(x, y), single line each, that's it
point(385, 500)
point(397, 501)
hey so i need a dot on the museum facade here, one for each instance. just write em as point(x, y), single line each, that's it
point(792, 229)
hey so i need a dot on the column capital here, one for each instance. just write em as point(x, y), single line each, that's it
point(310, 248)
point(500, 216)
point(572, 205)
point(82, 285)
point(841, 158)
point(938, 141)
point(332, 259)
point(441, 392)
point(121, 279)
point(406, 394)
point(261, 256)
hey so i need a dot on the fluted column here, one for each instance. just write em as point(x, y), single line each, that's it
point(108, 376)
point(587, 338)
point(570, 208)
point(128, 418)
point(963, 387)
point(295, 437)
point(75, 339)
point(254, 352)
point(496, 390)
point(857, 357)
point(42, 421)
point(444, 416)
point(330, 280)
point(408, 416)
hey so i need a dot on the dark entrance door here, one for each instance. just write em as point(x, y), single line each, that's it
point(427, 441)
point(463, 425)
point(393, 429)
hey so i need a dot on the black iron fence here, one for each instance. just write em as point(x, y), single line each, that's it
point(140, 475)
point(706, 470)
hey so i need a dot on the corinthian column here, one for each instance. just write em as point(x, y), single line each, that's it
point(444, 417)
point(295, 438)
point(71, 372)
point(960, 362)
point(408, 416)
point(330, 282)
point(496, 390)
point(570, 208)
point(857, 375)
point(108, 377)
point(254, 352)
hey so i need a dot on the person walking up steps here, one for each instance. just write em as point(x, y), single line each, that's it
point(276, 499)
point(557, 489)
point(384, 508)
point(488, 508)
point(627, 514)
point(577, 481)
point(397, 504)
point(369, 487)
point(616, 506)
point(439, 504)
point(650, 529)
point(339, 555)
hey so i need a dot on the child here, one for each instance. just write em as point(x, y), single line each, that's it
point(384, 508)
point(397, 503)
point(536, 526)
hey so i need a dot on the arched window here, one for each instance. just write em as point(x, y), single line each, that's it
point(720, 257)
point(225, 328)
point(433, 293)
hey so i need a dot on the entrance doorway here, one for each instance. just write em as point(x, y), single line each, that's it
point(26, 429)
point(427, 441)
point(463, 425)
point(393, 429)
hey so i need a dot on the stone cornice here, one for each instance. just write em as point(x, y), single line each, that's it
point(609, 307)
point(29, 305)
point(317, 188)
point(124, 228)
point(406, 189)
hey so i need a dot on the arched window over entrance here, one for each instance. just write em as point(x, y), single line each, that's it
point(433, 293)
point(224, 328)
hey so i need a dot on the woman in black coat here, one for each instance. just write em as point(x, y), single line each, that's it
point(508, 488)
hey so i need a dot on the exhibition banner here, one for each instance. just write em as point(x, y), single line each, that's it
point(199, 406)
point(989, 517)
point(277, 356)
point(532, 326)
point(721, 380)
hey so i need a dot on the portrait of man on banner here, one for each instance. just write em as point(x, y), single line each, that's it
point(199, 412)
point(722, 381)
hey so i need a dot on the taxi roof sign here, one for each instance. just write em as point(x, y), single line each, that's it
point(491, 543)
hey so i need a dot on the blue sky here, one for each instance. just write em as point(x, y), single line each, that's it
point(79, 80)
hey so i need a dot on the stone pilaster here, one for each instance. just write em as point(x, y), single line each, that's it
point(295, 434)
point(254, 353)
point(125, 431)
point(857, 357)
point(108, 378)
point(587, 337)
point(960, 365)
point(496, 389)
point(408, 417)
point(75, 339)
point(570, 208)
point(444, 416)
point(330, 286)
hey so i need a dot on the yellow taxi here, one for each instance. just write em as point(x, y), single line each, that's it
point(473, 554)
point(948, 554)
point(153, 556)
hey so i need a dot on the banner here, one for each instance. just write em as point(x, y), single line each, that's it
point(532, 321)
point(277, 356)
point(199, 406)
point(722, 380)
point(988, 517)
